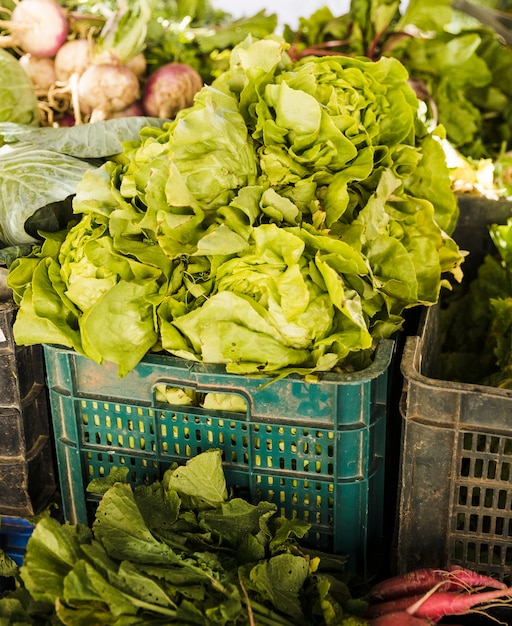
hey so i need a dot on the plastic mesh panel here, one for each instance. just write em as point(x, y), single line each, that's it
point(481, 532)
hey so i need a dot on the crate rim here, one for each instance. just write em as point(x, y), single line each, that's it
point(382, 358)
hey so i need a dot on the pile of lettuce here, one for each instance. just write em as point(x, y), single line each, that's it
point(179, 551)
point(284, 222)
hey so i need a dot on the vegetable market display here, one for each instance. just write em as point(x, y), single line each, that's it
point(282, 223)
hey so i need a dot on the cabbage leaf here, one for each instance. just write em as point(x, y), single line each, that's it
point(18, 101)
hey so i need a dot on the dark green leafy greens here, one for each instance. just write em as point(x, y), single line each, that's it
point(476, 320)
point(283, 223)
point(180, 551)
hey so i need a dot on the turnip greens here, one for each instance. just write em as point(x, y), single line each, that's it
point(179, 551)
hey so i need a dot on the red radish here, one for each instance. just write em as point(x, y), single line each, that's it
point(104, 89)
point(73, 57)
point(170, 88)
point(395, 605)
point(421, 580)
point(440, 604)
point(462, 576)
point(401, 618)
point(39, 27)
point(41, 71)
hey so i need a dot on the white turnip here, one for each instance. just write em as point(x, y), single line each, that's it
point(170, 88)
point(104, 89)
point(41, 71)
point(38, 27)
point(137, 64)
point(73, 57)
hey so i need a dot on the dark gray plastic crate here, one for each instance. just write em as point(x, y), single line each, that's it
point(27, 476)
point(455, 486)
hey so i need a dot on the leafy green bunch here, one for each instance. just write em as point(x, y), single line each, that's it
point(456, 60)
point(179, 551)
point(284, 222)
point(476, 321)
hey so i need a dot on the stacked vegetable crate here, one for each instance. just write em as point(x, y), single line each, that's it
point(316, 449)
point(455, 490)
point(27, 477)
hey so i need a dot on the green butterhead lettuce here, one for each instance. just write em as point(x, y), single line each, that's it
point(282, 223)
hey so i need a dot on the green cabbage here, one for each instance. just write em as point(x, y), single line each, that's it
point(18, 101)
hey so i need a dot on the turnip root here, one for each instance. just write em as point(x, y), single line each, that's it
point(104, 89)
point(38, 27)
point(170, 88)
point(73, 57)
point(41, 71)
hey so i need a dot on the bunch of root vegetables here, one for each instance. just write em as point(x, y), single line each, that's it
point(86, 69)
point(426, 596)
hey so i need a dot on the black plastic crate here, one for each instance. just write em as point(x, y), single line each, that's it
point(27, 475)
point(455, 486)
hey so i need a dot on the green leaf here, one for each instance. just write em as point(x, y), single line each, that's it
point(8, 566)
point(120, 327)
point(280, 581)
point(53, 549)
point(120, 527)
point(18, 101)
point(237, 518)
point(202, 479)
point(84, 141)
point(101, 485)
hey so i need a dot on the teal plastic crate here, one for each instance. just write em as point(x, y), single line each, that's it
point(316, 449)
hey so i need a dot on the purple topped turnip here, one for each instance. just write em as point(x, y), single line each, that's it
point(170, 88)
point(38, 27)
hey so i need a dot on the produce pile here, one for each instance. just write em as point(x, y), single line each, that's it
point(458, 64)
point(284, 222)
point(76, 61)
point(178, 551)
